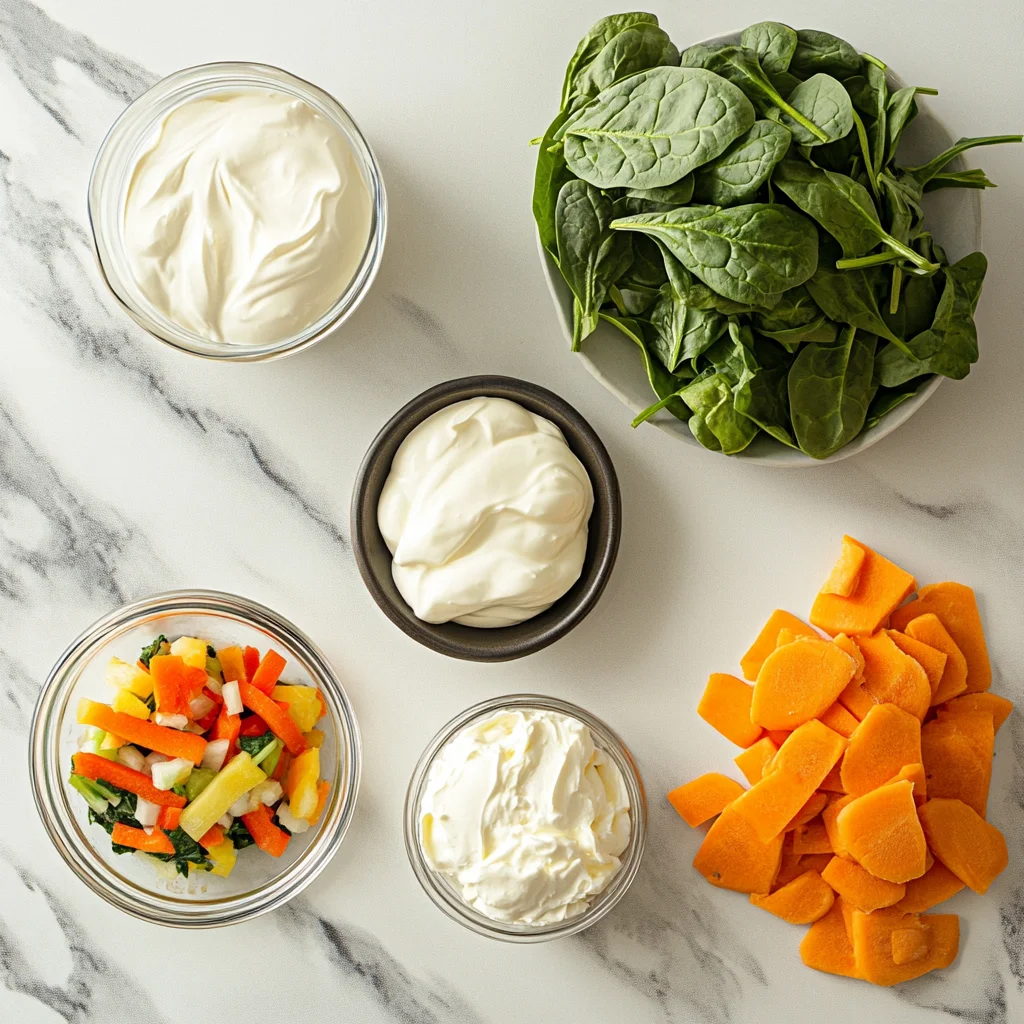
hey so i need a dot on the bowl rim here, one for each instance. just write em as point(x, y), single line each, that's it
point(467, 642)
point(784, 458)
point(213, 75)
point(443, 894)
point(49, 787)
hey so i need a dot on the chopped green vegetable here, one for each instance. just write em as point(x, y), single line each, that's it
point(197, 781)
point(150, 652)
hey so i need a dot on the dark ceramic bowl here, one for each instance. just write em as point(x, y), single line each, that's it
point(505, 642)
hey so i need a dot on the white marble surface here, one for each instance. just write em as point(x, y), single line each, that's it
point(127, 468)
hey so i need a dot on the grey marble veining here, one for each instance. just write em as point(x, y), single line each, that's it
point(126, 468)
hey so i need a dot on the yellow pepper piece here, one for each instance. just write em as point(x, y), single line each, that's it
point(303, 704)
point(223, 856)
point(191, 650)
point(129, 704)
point(300, 785)
point(120, 675)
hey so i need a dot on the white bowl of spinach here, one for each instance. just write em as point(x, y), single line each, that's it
point(738, 251)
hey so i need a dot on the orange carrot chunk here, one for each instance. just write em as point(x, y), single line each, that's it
point(810, 810)
point(881, 586)
point(92, 766)
point(169, 818)
point(966, 843)
point(998, 707)
point(278, 719)
point(860, 888)
point(856, 699)
point(269, 671)
point(921, 942)
point(798, 682)
point(140, 839)
point(936, 885)
point(827, 946)
point(929, 629)
point(704, 797)
point(804, 900)
point(891, 676)
point(932, 660)
point(733, 857)
point(881, 831)
point(957, 754)
point(801, 764)
point(755, 759)
point(811, 838)
point(267, 836)
point(828, 819)
point(213, 836)
point(882, 744)
point(957, 608)
point(914, 774)
point(839, 720)
point(725, 705)
point(768, 639)
point(845, 574)
point(172, 742)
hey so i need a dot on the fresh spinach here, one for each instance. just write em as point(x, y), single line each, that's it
point(887, 399)
point(749, 254)
point(824, 102)
point(239, 835)
point(925, 172)
point(736, 175)
point(823, 52)
point(655, 127)
point(252, 745)
point(678, 194)
point(715, 421)
point(636, 48)
point(150, 652)
point(773, 43)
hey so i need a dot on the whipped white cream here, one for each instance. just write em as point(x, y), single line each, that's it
point(485, 512)
point(525, 816)
point(246, 216)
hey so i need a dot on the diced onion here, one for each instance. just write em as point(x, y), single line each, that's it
point(214, 685)
point(225, 821)
point(153, 758)
point(131, 757)
point(170, 721)
point(243, 805)
point(167, 774)
point(214, 754)
point(290, 822)
point(232, 698)
point(146, 813)
point(201, 706)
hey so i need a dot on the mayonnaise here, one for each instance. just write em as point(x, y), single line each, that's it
point(525, 816)
point(485, 512)
point(246, 216)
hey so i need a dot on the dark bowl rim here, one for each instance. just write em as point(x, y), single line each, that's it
point(577, 603)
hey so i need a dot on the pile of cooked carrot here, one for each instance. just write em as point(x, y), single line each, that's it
point(869, 754)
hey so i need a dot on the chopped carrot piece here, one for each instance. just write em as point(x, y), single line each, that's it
point(92, 766)
point(140, 839)
point(932, 660)
point(882, 744)
point(733, 857)
point(998, 707)
point(882, 936)
point(860, 888)
point(251, 660)
point(839, 720)
point(891, 676)
point(232, 665)
point(845, 574)
point(957, 754)
point(810, 810)
point(827, 946)
point(755, 759)
point(803, 901)
point(214, 836)
point(704, 797)
point(323, 787)
point(811, 838)
point(268, 672)
point(914, 774)
point(169, 818)
point(267, 836)
point(881, 831)
point(279, 720)
point(726, 706)
point(969, 846)
point(928, 629)
point(935, 886)
point(175, 684)
point(856, 699)
point(172, 742)
point(768, 639)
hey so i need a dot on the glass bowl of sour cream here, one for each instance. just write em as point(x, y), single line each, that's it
point(237, 211)
point(526, 819)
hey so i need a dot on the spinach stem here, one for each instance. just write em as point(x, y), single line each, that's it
point(817, 132)
point(866, 261)
point(874, 60)
point(642, 417)
point(865, 149)
point(894, 295)
point(908, 254)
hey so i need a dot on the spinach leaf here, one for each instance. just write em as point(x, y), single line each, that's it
point(851, 297)
point(715, 421)
point(762, 393)
point(591, 45)
point(664, 384)
point(589, 255)
point(886, 399)
point(681, 332)
point(740, 67)
point(774, 44)
point(655, 127)
point(736, 175)
point(636, 48)
point(551, 174)
point(750, 254)
point(794, 320)
point(973, 178)
point(150, 652)
point(830, 388)
point(239, 835)
point(252, 745)
point(678, 194)
point(901, 110)
point(950, 345)
point(823, 52)
point(123, 811)
point(824, 102)
point(869, 93)
point(925, 172)
point(916, 307)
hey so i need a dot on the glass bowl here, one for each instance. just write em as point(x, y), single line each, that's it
point(117, 157)
point(448, 898)
point(259, 882)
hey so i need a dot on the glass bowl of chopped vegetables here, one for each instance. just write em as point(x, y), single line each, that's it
point(195, 759)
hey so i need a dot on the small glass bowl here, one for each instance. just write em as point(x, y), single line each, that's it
point(111, 174)
point(259, 882)
point(448, 898)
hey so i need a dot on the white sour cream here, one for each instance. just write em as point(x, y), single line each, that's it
point(485, 512)
point(525, 816)
point(246, 216)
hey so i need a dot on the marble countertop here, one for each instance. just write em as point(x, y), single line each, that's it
point(261, 459)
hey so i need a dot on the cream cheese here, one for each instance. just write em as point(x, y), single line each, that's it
point(245, 217)
point(485, 512)
point(526, 817)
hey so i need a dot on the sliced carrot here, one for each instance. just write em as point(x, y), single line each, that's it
point(845, 574)
point(922, 943)
point(932, 660)
point(267, 836)
point(998, 707)
point(778, 736)
point(268, 671)
point(839, 720)
point(849, 645)
point(804, 900)
point(935, 886)
point(828, 819)
point(810, 810)
point(323, 787)
point(957, 755)
point(957, 608)
point(232, 665)
point(140, 839)
point(755, 759)
point(914, 774)
point(798, 682)
point(969, 846)
point(801, 764)
point(768, 639)
point(704, 797)
point(251, 659)
point(725, 705)
point(856, 699)
point(881, 831)
point(811, 838)
point(279, 720)
point(860, 888)
point(172, 742)
point(92, 766)
point(733, 857)
point(882, 744)
point(833, 782)
point(891, 676)
point(175, 684)
point(827, 946)
point(169, 818)
point(881, 586)
point(929, 629)
point(214, 836)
